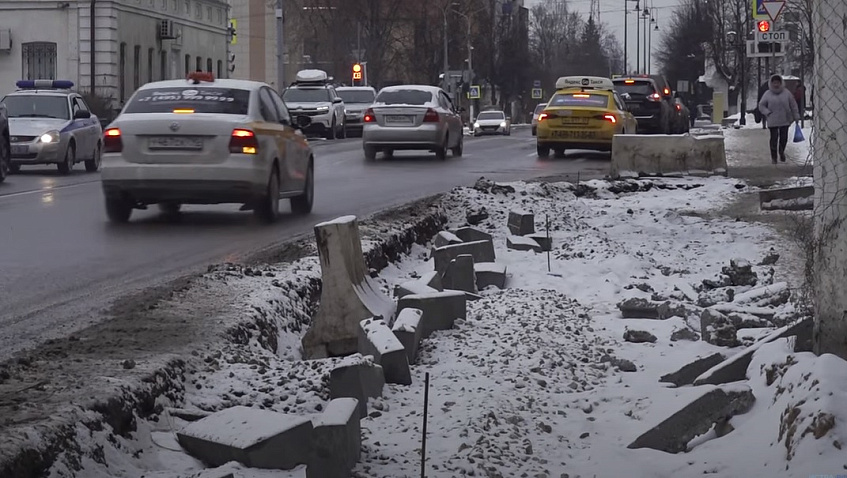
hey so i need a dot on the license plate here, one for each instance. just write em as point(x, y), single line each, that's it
point(574, 120)
point(398, 119)
point(20, 149)
point(564, 134)
point(175, 142)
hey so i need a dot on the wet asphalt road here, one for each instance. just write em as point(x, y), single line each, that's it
point(62, 264)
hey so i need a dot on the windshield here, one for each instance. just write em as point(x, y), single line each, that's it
point(640, 88)
point(357, 96)
point(37, 106)
point(491, 115)
point(299, 95)
point(540, 108)
point(579, 99)
point(404, 97)
point(200, 99)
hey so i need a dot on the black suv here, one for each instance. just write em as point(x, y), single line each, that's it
point(5, 147)
point(647, 101)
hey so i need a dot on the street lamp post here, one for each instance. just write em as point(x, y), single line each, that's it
point(645, 15)
point(470, 61)
point(637, 37)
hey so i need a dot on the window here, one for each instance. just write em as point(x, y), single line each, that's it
point(491, 115)
point(165, 5)
point(284, 115)
point(122, 72)
point(220, 72)
point(357, 96)
point(636, 88)
point(151, 52)
point(136, 64)
point(579, 99)
point(199, 64)
point(220, 16)
point(209, 13)
point(187, 64)
point(209, 65)
point(37, 106)
point(227, 101)
point(306, 95)
point(78, 105)
point(175, 6)
point(39, 61)
point(198, 12)
point(404, 97)
point(187, 7)
point(163, 64)
point(266, 107)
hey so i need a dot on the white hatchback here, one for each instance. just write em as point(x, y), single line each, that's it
point(206, 141)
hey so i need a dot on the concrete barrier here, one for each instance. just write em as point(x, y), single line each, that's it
point(791, 199)
point(667, 155)
point(348, 294)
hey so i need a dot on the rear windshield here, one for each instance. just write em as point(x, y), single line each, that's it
point(404, 97)
point(639, 88)
point(540, 108)
point(357, 96)
point(306, 95)
point(227, 101)
point(491, 115)
point(37, 106)
point(579, 99)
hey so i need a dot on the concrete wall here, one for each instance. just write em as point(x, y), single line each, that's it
point(830, 150)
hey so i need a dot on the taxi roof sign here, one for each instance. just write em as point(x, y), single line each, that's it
point(586, 82)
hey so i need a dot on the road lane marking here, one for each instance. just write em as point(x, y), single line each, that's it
point(46, 189)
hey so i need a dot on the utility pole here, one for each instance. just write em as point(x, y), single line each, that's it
point(446, 62)
point(280, 47)
point(637, 38)
point(625, 37)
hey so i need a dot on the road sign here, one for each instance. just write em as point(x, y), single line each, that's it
point(759, 11)
point(773, 49)
point(774, 8)
point(537, 93)
point(536, 84)
point(772, 36)
point(358, 54)
point(474, 92)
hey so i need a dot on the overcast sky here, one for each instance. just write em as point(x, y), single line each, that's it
point(612, 14)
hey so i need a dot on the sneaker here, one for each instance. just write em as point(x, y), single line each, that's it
point(781, 157)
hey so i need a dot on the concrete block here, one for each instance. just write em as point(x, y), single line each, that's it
point(357, 378)
point(416, 286)
point(407, 329)
point(520, 243)
point(470, 234)
point(708, 157)
point(253, 437)
point(376, 339)
point(433, 279)
point(336, 440)
point(446, 238)
point(348, 294)
point(717, 329)
point(788, 199)
point(734, 368)
point(490, 273)
point(482, 251)
point(541, 238)
point(687, 374)
point(460, 274)
point(440, 310)
point(521, 223)
point(715, 406)
point(667, 155)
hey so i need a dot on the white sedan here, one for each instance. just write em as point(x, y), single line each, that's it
point(206, 141)
point(492, 122)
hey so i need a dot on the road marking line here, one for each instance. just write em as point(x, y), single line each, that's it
point(46, 189)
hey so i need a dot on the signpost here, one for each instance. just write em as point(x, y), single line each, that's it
point(771, 37)
point(474, 92)
point(537, 93)
point(536, 84)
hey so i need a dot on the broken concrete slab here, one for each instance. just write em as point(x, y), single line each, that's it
point(717, 329)
point(684, 334)
point(376, 339)
point(348, 294)
point(470, 234)
point(734, 368)
point(791, 199)
point(433, 279)
point(772, 295)
point(490, 273)
point(253, 437)
point(543, 240)
point(440, 310)
point(521, 223)
point(687, 374)
point(357, 377)
point(336, 440)
point(416, 286)
point(740, 273)
point(407, 329)
point(482, 251)
point(460, 274)
point(673, 434)
point(520, 243)
point(638, 308)
point(639, 337)
point(446, 238)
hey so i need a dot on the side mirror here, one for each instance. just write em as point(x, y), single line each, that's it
point(303, 121)
point(82, 114)
point(462, 109)
point(337, 101)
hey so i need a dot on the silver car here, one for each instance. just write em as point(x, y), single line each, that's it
point(412, 117)
point(538, 110)
point(356, 100)
point(50, 124)
point(206, 141)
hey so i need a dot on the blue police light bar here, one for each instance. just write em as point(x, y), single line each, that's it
point(45, 84)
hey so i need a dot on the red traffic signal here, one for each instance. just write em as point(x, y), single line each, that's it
point(357, 72)
point(764, 26)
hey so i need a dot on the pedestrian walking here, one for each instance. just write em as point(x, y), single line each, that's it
point(779, 109)
point(800, 97)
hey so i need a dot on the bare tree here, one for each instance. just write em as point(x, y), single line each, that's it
point(681, 54)
point(729, 22)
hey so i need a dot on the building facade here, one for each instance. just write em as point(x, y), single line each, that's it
point(134, 42)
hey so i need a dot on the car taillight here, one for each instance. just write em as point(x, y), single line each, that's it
point(543, 116)
point(678, 107)
point(431, 116)
point(655, 97)
point(369, 116)
point(243, 141)
point(667, 92)
point(112, 142)
point(611, 118)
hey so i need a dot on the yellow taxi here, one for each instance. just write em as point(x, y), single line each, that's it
point(584, 113)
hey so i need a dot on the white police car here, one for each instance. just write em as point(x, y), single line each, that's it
point(50, 124)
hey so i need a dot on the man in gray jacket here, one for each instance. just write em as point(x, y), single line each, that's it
point(779, 108)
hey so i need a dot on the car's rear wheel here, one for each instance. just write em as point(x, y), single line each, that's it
point(303, 203)
point(170, 208)
point(66, 166)
point(543, 151)
point(92, 165)
point(118, 209)
point(460, 148)
point(5, 158)
point(370, 153)
point(268, 208)
point(441, 151)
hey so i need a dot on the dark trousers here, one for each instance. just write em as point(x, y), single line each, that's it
point(779, 139)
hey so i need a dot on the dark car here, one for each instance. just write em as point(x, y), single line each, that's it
point(5, 146)
point(647, 102)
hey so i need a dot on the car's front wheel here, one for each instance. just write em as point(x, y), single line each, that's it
point(93, 164)
point(268, 208)
point(5, 158)
point(118, 209)
point(460, 148)
point(66, 166)
point(303, 203)
point(330, 133)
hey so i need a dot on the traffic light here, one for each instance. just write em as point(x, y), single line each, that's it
point(769, 47)
point(764, 26)
point(357, 73)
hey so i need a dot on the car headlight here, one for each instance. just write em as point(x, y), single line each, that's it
point(323, 108)
point(503, 124)
point(476, 125)
point(49, 137)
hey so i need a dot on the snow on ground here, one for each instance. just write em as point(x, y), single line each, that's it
point(798, 153)
point(537, 381)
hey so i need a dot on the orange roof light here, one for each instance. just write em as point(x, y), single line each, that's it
point(198, 76)
point(629, 82)
point(580, 95)
point(183, 111)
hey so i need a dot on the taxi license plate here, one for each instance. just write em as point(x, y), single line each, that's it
point(20, 149)
point(564, 134)
point(175, 142)
point(577, 121)
point(398, 119)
